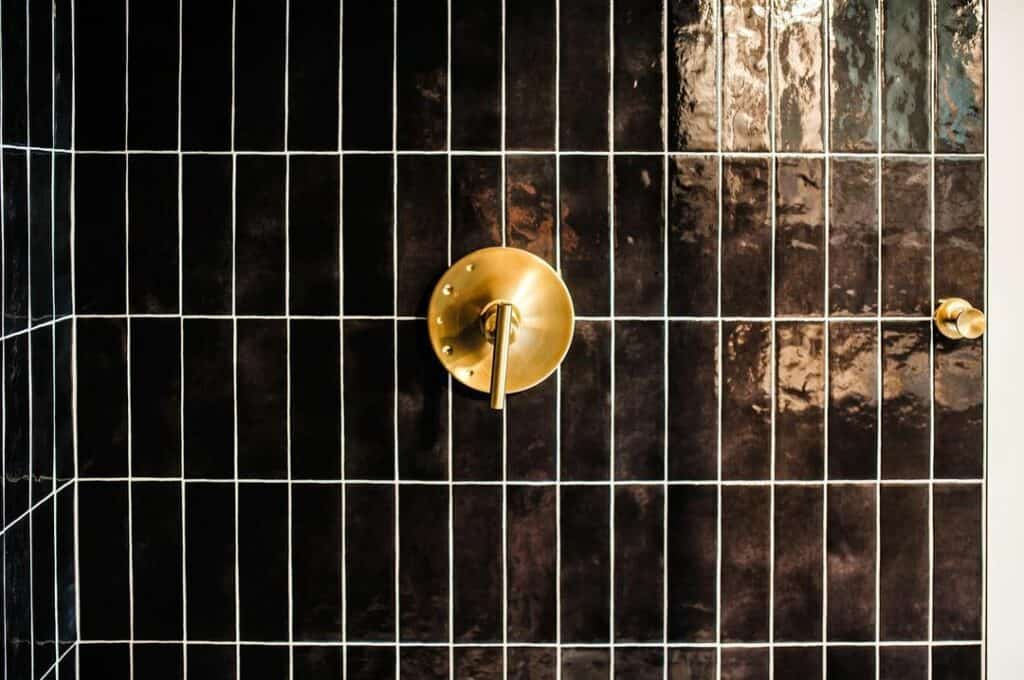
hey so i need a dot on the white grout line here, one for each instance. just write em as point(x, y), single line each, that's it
point(448, 262)
point(548, 645)
point(879, 345)
point(341, 339)
point(394, 333)
point(181, 367)
point(558, 371)
point(611, 352)
point(826, 98)
point(665, 380)
point(128, 353)
point(234, 335)
point(932, 75)
point(720, 341)
point(288, 344)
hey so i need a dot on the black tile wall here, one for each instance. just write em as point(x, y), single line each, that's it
point(229, 451)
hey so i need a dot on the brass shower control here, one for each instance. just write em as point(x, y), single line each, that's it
point(500, 321)
point(957, 319)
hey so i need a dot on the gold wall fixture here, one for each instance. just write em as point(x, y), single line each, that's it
point(500, 321)
point(956, 318)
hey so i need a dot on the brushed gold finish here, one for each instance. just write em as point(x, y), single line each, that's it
point(476, 297)
point(956, 319)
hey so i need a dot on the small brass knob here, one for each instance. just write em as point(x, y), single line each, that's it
point(956, 319)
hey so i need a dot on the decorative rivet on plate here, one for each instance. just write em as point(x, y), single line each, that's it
point(470, 267)
point(447, 349)
point(470, 372)
point(440, 321)
point(447, 290)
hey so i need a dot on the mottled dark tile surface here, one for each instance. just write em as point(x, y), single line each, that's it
point(263, 589)
point(797, 587)
point(639, 50)
point(639, 401)
point(897, 663)
point(745, 663)
point(799, 400)
point(531, 432)
point(797, 662)
point(584, 60)
point(313, 214)
point(745, 89)
point(476, 74)
point(530, 204)
point(316, 661)
point(18, 598)
point(102, 451)
point(530, 75)
point(851, 563)
point(903, 571)
point(208, 383)
point(956, 663)
point(693, 236)
point(532, 663)
point(370, 662)
point(905, 399)
point(153, 234)
point(850, 663)
point(422, 230)
point(906, 61)
point(854, 76)
point(585, 231)
point(746, 400)
point(262, 409)
point(692, 664)
point(531, 547)
point(585, 427)
point(422, 75)
point(16, 240)
point(316, 558)
point(853, 401)
point(960, 229)
point(959, 408)
point(957, 580)
point(692, 570)
point(422, 406)
point(692, 72)
point(260, 235)
point(369, 398)
point(798, 71)
point(585, 557)
point(586, 664)
point(853, 237)
point(960, 80)
point(477, 564)
point(799, 236)
point(370, 582)
point(639, 663)
point(479, 663)
point(423, 663)
point(639, 235)
point(692, 400)
point(746, 268)
point(423, 563)
point(639, 585)
point(206, 234)
point(476, 203)
point(746, 560)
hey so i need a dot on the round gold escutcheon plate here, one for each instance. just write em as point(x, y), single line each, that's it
point(461, 325)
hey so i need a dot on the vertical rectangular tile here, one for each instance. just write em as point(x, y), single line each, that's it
point(746, 267)
point(746, 400)
point(799, 400)
point(426, 663)
point(153, 234)
point(957, 581)
point(156, 397)
point(62, 246)
point(798, 69)
point(16, 240)
point(692, 563)
point(263, 515)
point(423, 563)
point(62, 79)
point(261, 378)
point(960, 229)
point(40, 83)
point(853, 401)
point(693, 236)
point(584, 60)
point(959, 409)
point(639, 236)
point(585, 230)
point(745, 88)
point(906, 399)
point(476, 203)
point(156, 559)
point(585, 553)
point(18, 600)
point(692, 663)
point(206, 234)
point(422, 75)
point(313, 75)
point(316, 559)
point(422, 407)
point(853, 237)
point(260, 236)
point(102, 560)
point(532, 663)
point(479, 663)
point(904, 566)
point(315, 374)
point(854, 75)
point(899, 663)
point(960, 80)
point(586, 663)
point(531, 546)
point(17, 436)
point(692, 400)
point(66, 580)
point(210, 583)
point(367, 70)
point(800, 236)
point(639, 400)
point(906, 237)
point(850, 663)
point(531, 433)
point(43, 422)
point(745, 563)
point(640, 663)
point(745, 663)
point(99, 75)
point(638, 584)
point(313, 214)
point(208, 398)
point(422, 229)
point(957, 663)
point(639, 50)
point(799, 662)
point(367, 234)
point(261, 45)
point(906, 71)
point(530, 204)
point(40, 241)
point(370, 662)
point(13, 21)
point(585, 426)
point(63, 408)
point(369, 399)
point(797, 587)
point(477, 563)
point(101, 391)
point(530, 75)
point(153, 57)
point(692, 74)
point(476, 74)
point(207, 74)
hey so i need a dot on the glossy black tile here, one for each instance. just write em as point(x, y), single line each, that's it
point(207, 75)
point(63, 408)
point(316, 562)
point(745, 93)
point(906, 61)
point(367, 76)
point(529, 35)
point(638, 586)
point(476, 204)
point(692, 663)
point(319, 661)
point(101, 389)
point(746, 400)
point(639, 236)
point(158, 661)
point(799, 662)
point(369, 399)
point(103, 567)
point(692, 570)
point(62, 249)
point(531, 433)
point(959, 393)
point(851, 550)
point(745, 663)
point(100, 69)
point(66, 579)
point(853, 401)
point(585, 572)
point(367, 235)
point(897, 663)
point(586, 664)
point(476, 75)
point(532, 663)
point(62, 71)
point(478, 663)
point(800, 237)
point(262, 662)
point(692, 400)
point(422, 75)
point(797, 585)
point(370, 580)
point(854, 75)
point(639, 48)
point(153, 44)
point(43, 422)
point(641, 663)
point(111, 661)
point(313, 235)
point(530, 204)
point(211, 661)
point(903, 570)
point(261, 369)
point(99, 243)
point(208, 389)
point(260, 235)
point(18, 600)
point(853, 237)
point(850, 663)
point(44, 649)
point(260, 43)
point(960, 77)
point(16, 240)
point(263, 561)
point(584, 65)
point(745, 563)
point(40, 79)
point(957, 572)
point(315, 375)
point(17, 426)
point(477, 563)
point(13, 21)
point(423, 563)
point(693, 236)
point(156, 397)
point(423, 663)
point(422, 230)
point(746, 266)
point(531, 548)
point(156, 560)
point(40, 239)
point(210, 582)
point(956, 663)
point(906, 432)
point(799, 400)
point(585, 231)
point(314, 73)
point(585, 427)
point(797, 73)
point(206, 234)
point(422, 407)
point(639, 401)
point(371, 662)
point(69, 667)
point(692, 73)
point(960, 229)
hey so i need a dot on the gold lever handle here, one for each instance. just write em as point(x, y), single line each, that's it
point(956, 319)
point(499, 364)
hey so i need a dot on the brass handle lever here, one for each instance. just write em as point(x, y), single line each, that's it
point(956, 319)
point(499, 364)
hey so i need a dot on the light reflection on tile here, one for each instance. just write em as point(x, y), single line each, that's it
point(745, 75)
point(692, 91)
point(960, 81)
point(798, 65)
point(853, 237)
point(854, 77)
point(906, 61)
